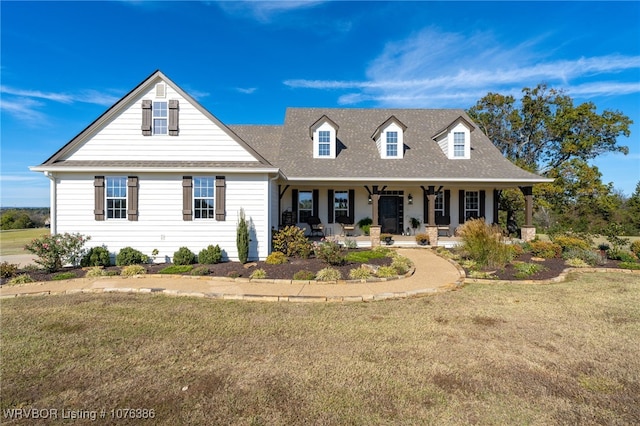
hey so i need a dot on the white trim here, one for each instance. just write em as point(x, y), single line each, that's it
point(125, 169)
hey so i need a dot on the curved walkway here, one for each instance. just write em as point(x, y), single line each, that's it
point(432, 274)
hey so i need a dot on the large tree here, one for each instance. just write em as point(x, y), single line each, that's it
point(546, 133)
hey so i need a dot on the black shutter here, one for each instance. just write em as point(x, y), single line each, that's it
point(483, 197)
point(331, 204)
point(316, 197)
point(294, 204)
point(173, 118)
point(98, 209)
point(447, 206)
point(132, 202)
point(146, 117)
point(220, 199)
point(187, 200)
point(352, 206)
point(425, 208)
point(461, 207)
point(496, 200)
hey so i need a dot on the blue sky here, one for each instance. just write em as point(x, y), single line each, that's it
point(64, 63)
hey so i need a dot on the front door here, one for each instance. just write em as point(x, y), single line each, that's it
point(388, 209)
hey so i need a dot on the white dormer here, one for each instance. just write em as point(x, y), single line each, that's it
point(389, 137)
point(324, 134)
point(455, 139)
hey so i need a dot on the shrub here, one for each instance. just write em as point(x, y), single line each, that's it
point(258, 274)
point(621, 255)
point(516, 250)
point(131, 270)
point(96, 271)
point(53, 251)
point(242, 238)
point(328, 274)
point(365, 224)
point(576, 262)
point(130, 256)
point(570, 242)
point(545, 249)
point(276, 258)
point(422, 238)
point(629, 265)
point(63, 276)
point(20, 279)
point(8, 270)
point(184, 256)
point(483, 243)
point(96, 256)
point(176, 269)
point(525, 270)
point(401, 264)
point(361, 273)
point(200, 270)
point(330, 252)
point(350, 243)
point(635, 248)
point(590, 257)
point(211, 255)
point(304, 275)
point(386, 272)
point(292, 242)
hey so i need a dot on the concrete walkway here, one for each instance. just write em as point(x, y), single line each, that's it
point(432, 274)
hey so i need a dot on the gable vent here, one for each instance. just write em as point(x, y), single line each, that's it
point(161, 90)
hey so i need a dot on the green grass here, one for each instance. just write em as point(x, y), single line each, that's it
point(485, 354)
point(13, 241)
point(364, 256)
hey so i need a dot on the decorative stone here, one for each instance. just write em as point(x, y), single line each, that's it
point(528, 233)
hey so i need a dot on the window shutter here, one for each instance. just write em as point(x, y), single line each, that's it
point(352, 206)
point(461, 207)
point(294, 204)
point(483, 197)
point(425, 208)
point(331, 206)
point(173, 117)
point(220, 198)
point(146, 117)
point(187, 200)
point(447, 206)
point(98, 209)
point(132, 201)
point(316, 196)
point(496, 200)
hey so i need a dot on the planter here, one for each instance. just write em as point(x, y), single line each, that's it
point(388, 240)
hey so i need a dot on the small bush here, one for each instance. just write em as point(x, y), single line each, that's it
point(184, 256)
point(621, 255)
point(292, 242)
point(200, 270)
point(350, 243)
point(63, 276)
point(630, 265)
point(545, 249)
point(387, 272)
point(176, 269)
point(8, 270)
point(361, 273)
point(576, 262)
point(304, 275)
point(96, 256)
point(483, 243)
point(242, 238)
point(330, 252)
point(211, 255)
point(96, 271)
point(258, 274)
point(516, 250)
point(20, 279)
point(276, 258)
point(635, 248)
point(469, 264)
point(130, 256)
point(131, 270)
point(525, 270)
point(590, 257)
point(54, 251)
point(570, 242)
point(328, 274)
point(401, 264)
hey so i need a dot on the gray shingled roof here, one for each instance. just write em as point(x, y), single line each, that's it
point(290, 148)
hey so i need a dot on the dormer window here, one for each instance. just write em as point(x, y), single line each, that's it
point(324, 133)
point(324, 143)
point(389, 137)
point(458, 144)
point(392, 144)
point(455, 139)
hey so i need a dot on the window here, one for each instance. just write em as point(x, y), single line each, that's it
point(458, 144)
point(116, 197)
point(305, 206)
point(471, 205)
point(160, 118)
point(324, 143)
point(392, 144)
point(440, 203)
point(203, 190)
point(340, 203)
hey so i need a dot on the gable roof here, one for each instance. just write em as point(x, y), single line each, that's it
point(386, 123)
point(359, 159)
point(125, 102)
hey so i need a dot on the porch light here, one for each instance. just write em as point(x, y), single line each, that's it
point(410, 199)
point(369, 200)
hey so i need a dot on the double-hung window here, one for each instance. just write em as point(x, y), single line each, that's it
point(116, 197)
point(203, 203)
point(160, 118)
point(305, 205)
point(458, 144)
point(324, 143)
point(341, 203)
point(471, 205)
point(439, 203)
point(392, 144)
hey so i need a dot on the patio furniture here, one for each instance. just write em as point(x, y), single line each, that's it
point(347, 225)
point(442, 223)
point(316, 226)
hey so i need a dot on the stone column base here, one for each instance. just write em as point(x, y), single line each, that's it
point(374, 233)
point(528, 233)
point(432, 232)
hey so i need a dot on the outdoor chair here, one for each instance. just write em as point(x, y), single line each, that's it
point(347, 225)
point(316, 227)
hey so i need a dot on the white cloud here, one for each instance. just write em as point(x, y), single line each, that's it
point(24, 109)
point(246, 91)
point(264, 11)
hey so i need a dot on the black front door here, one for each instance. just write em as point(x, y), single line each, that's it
point(388, 209)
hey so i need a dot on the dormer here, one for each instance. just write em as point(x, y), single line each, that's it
point(324, 134)
point(455, 139)
point(389, 137)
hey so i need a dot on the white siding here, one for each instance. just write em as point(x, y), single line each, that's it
point(160, 225)
point(199, 139)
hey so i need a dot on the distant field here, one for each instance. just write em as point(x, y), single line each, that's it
point(13, 241)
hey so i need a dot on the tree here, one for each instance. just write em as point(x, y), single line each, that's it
point(546, 133)
point(242, 238)
point(14, 219)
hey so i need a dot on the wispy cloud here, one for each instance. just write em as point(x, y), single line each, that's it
point(23, 108)
point(265, 11)
point(247, 90)
point(434, 68)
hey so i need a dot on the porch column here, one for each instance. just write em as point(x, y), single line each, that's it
point(374, 231)
point(528, 231)
point(431, 227)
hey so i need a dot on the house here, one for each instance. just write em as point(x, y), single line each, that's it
point(159, 171)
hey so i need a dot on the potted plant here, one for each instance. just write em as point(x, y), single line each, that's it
point(415, 223)
point(386, 238)
point(422, 239)
point(365, 224)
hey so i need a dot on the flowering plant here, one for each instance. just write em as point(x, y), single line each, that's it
point(53, 251)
